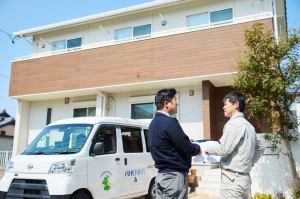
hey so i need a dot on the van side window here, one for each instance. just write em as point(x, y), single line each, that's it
point(146, 139)
point(107, 135)
point(132, 140)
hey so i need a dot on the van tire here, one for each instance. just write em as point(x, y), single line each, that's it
point(151, 190)
point(80, 195)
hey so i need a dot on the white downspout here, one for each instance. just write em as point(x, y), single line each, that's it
point(275, 21)
point(100, 104)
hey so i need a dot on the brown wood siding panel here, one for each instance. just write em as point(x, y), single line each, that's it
point(197, 53)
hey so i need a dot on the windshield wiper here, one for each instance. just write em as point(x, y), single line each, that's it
point(49, 152)
point(34, 153)
point(67, 152)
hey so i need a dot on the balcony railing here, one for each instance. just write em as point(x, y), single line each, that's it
point(152, 35)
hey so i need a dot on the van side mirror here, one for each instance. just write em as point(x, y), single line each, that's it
point(98, 149)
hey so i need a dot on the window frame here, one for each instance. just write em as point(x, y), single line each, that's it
point(141, 36)
point(132, 37)
point(142, 100)
point(106, 126)
point(52, 45)
point(224, 21)
point(197, 26)
point(210, 24)
point(146, 134)
point(123, 39)
point(49, 115)
point(66, 44)
point(87, 111)
point(76, 47)
point(141, 136)
point(84, 104)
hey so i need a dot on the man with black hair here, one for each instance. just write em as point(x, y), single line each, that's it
point(170, 148)
point(238, 147)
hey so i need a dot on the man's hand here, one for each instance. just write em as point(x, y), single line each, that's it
point(193, 140)
point(206, 152)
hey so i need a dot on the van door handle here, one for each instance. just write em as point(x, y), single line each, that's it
point(125, 161)
point(117, 159)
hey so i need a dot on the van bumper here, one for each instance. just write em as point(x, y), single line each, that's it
point(3, 196)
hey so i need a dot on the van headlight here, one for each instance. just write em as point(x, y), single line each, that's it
point(63, 167)
point(9, 167)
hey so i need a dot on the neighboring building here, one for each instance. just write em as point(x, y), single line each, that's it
point(113, 63)
point(7, 128)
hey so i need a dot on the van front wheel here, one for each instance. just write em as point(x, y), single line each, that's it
point(151, 190)
point(80, 195)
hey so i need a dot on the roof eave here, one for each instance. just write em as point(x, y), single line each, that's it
point(98, 17)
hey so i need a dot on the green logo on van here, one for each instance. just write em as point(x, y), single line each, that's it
point(105, 182)
point(105, 176)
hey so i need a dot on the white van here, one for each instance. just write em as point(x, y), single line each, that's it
point(83, 158)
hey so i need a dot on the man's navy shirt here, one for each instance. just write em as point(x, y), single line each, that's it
point(170, 147)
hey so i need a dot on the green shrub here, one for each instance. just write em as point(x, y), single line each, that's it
point(262, 196)
point(295, 189)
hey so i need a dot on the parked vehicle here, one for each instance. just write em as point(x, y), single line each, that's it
point(83, 158)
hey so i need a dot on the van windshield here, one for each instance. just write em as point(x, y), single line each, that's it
point(60, 139)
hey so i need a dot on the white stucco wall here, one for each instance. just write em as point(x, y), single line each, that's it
point(38, 115)
point(189, 112)
point(272, 173)
point(174, 15)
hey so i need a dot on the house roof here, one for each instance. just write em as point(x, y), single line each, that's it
point(98, 17)
point(7, 121)
point(3, 113)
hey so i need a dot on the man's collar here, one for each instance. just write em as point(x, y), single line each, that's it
point(167, 114)
point(237, 114)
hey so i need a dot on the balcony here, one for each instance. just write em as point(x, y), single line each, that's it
point(151, 36)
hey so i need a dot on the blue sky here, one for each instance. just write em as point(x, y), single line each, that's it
point(16, 15)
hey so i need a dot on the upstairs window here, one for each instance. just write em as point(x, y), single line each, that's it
point(198, 21)
point(138, 32)
point(203, 20)
point(59, 45)
point(67, 44)
point(142, 30)
point(123, 33)
point(73, 43)
point(221, 15)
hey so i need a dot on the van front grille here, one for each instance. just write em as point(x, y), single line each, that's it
point(25, 189)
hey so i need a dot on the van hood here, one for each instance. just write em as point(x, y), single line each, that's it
point(36, 164)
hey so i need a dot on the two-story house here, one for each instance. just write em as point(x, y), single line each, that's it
point(113, 63)
point(7, 128)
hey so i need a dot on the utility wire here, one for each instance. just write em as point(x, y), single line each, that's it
point(4, 76)
point(12, 38)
